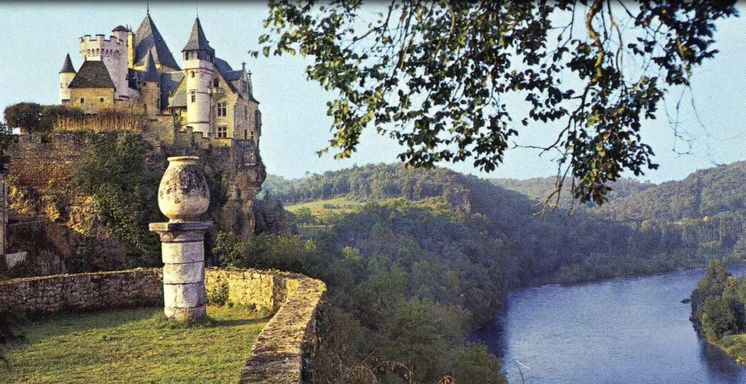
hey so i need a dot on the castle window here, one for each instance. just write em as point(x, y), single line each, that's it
point(82, 100)
point(245, 134)
point(246, 112)
point(222, 110)
point(192, 74)
point(194, 97)
point(101, 100)
point(215, 83)
point(222, 132)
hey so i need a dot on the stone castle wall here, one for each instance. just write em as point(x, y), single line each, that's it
point(281, 350)
point(34, 162)
point(87, 291)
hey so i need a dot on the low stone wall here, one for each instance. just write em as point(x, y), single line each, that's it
point(85, 291)
point(281, 351)
point(278, 355)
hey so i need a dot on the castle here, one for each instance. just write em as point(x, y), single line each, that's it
point(202, 108)
point(206, 96)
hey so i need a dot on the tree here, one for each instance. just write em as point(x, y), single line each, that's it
point(436, 75)
point(114, 171)
point(26, 116)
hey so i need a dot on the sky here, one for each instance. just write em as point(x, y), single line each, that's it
point(34, 38)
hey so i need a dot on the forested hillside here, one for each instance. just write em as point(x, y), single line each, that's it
point(704, 213)
point(539, 188)
point(438, 250)
point(557, 247)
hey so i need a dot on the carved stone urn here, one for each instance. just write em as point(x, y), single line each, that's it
point(183, 194)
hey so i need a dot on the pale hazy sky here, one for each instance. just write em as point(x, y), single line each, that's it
point(35, 37)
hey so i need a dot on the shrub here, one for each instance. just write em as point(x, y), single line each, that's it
point(219, 295)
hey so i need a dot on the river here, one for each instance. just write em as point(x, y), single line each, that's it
point(628, 330)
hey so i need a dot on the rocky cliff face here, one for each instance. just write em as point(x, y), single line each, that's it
point(57, 224)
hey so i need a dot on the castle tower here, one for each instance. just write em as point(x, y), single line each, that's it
point(150, 87)
point(122, 62)
point(67, 74)
point(198, 71)
point(109, 51)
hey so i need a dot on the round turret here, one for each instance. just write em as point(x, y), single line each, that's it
point(67, 74)
point(199, 73)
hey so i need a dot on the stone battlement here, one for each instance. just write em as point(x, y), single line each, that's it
point(100, 37)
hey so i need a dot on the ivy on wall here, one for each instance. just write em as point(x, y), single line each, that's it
point(125, 190)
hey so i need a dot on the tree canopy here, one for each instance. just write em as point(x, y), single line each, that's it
point(438, 76)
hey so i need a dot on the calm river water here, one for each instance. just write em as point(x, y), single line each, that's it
point(631, 330)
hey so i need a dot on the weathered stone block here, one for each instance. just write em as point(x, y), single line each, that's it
point(186, 314)
point(183, 252)
point(184, 295)
point(184, 273)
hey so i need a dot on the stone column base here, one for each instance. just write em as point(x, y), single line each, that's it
point(186, 314)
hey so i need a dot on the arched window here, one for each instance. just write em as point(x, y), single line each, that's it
point(192, 74)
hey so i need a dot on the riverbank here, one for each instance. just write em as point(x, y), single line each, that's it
point(733, 346)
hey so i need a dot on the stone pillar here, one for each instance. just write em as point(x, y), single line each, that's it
point(183, 254)
point(183, 196)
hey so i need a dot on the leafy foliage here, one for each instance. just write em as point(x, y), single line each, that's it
point(125, 190)
point(26, 116)
point(406, 283)
point(718, 303)
point(437, 76)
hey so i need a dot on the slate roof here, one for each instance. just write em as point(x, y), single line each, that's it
point(221, 65)
point(169, 82)
point(232, 75)
point(92, 74)
point(68, 66)
point(150, 73)
point(197, 39)
point(147, 37)
point(179, 99)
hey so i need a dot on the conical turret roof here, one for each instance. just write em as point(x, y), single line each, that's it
point(151, 72)
point(147, 37)
point(68, 66)
point(197, 40)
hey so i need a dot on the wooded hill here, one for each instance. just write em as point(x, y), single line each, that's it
point(435, 238)
point(645, 228)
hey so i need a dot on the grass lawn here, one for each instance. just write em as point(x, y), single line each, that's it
point(132, 346)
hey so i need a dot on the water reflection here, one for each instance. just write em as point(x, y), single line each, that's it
point(633, 330)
